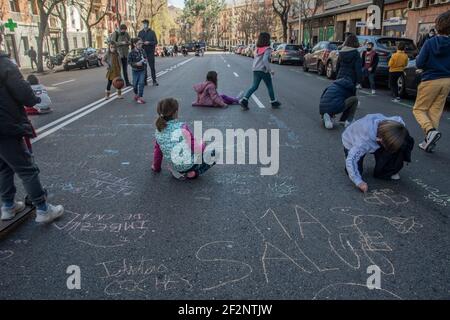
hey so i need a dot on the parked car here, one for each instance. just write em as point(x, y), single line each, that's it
point(250, 50)
point(384, 46)
point(238, 49)
point(242, 51)
point(274, 45)
point(410, 80)
point(81, 58)
point(287, 53)
point(101, 53)
point(318, 57)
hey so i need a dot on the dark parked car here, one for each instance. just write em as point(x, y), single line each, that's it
point(318, 57)
point(81, 58)
point(384, 46)
point(410, 80)
point(287, 53)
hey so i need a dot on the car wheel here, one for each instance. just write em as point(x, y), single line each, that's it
point(280, 61)
point(329, 71)
point(401, 83)
point(321, 68)
point(98, 63)
point(305, 68)
point(66, 68)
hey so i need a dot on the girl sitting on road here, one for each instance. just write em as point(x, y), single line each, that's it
point(261, 71)
point(112, 60)
point(41, 92)
point(182, 164)
point(386, 137)
point(207, 95)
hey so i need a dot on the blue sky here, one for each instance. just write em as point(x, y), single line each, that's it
point(177, 3)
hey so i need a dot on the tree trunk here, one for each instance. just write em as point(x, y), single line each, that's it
point(89, 33)
point(43, 19)
point(285, 29)
point(65, 38)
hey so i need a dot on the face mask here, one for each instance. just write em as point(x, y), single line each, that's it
point(145, 26)
point(369, 48)
point(122, 32)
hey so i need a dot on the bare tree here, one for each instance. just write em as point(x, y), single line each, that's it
point(140, 4)
point(282, 9)
point(45, 8)
point(245, 20)
point(263, 17)
point(90, 16)
point(308, 9)
point(61, 13)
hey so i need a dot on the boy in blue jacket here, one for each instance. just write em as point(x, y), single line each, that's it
point(434, 60)
point(339, 97)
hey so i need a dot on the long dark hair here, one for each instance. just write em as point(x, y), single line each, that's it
point(351, 41)
point(212, 76)
point(32, 80)
point(263, 40)
point(167, 108)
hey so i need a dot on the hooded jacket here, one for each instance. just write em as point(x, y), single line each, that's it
point(434, 58)
point(261, 61)
point(333, 98)
point(207, 95)
point(15, 93)
point(349, 65)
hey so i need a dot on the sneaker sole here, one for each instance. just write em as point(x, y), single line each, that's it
point(51, 220)
point(433, 142)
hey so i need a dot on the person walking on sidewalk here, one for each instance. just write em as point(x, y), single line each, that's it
point(111, 59)
point(261, 71)
point(397, 64)
point(370, 63)
point(148, 36)
point(138, 62)
point(123, 41)
point(33, 57)
point(434, 60)
point(15, 158)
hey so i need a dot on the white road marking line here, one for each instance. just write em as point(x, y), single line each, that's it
point(308, 74)
point(236, 75)
point(258, 102)
point(320, 78)
point(57, 84)
point(83, 111)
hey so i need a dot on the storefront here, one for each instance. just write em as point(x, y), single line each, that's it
point(395, 18)
point(421, 20)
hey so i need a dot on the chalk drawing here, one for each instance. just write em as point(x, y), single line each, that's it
point(221, 262)
point(5, 254)
point(338, 291)
point(434, 194)
point(282, 189)
point(385, 197)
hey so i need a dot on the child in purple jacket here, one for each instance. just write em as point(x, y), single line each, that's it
point(207, 95)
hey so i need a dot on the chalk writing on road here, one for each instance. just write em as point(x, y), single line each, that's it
point(353, 291)
point(385, 197)
point(5, 254)
point(434, 194)
point(104, 230)
point(141, 278)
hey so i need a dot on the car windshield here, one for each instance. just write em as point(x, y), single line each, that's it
point(392, 43)
point(75, 52)
point(293, 47)
point(333, 45)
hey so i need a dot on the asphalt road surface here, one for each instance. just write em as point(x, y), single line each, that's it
point(303, 233)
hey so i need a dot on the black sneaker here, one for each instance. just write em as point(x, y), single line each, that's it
point(145, 83)
point(275, 104)
point(155, 83)
point(128, 85)
point(244, 104)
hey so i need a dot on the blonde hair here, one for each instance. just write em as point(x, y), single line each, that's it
point(167, 108)
point(392, 135)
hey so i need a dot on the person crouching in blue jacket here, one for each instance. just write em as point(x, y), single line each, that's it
point(339, 97)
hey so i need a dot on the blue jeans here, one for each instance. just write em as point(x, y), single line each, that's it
point(257, 77)
point(371, 77)
point(138, 82)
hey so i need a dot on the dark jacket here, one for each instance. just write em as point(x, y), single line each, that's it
point(136, 56)
point(434, 58)
point(15, 93)
point(333, 98)
point(349, 65)
point(149, 36)
point(32, 54)
point(375, 60)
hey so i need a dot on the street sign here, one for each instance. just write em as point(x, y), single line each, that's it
point(11, 25)
point(360, 24)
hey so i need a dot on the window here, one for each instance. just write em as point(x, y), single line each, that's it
point(32, 7)
point(26, 45)
point(75, 42)
point(83, 42)
point(14, 5)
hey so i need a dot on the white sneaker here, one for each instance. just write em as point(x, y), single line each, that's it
point(373, 92)
point(327, 121)
point(51, 214)
point(395, 177)
point(177, 175)
point(432, 137)
point(423, 145)
point(10, 213)
point(395, 100)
